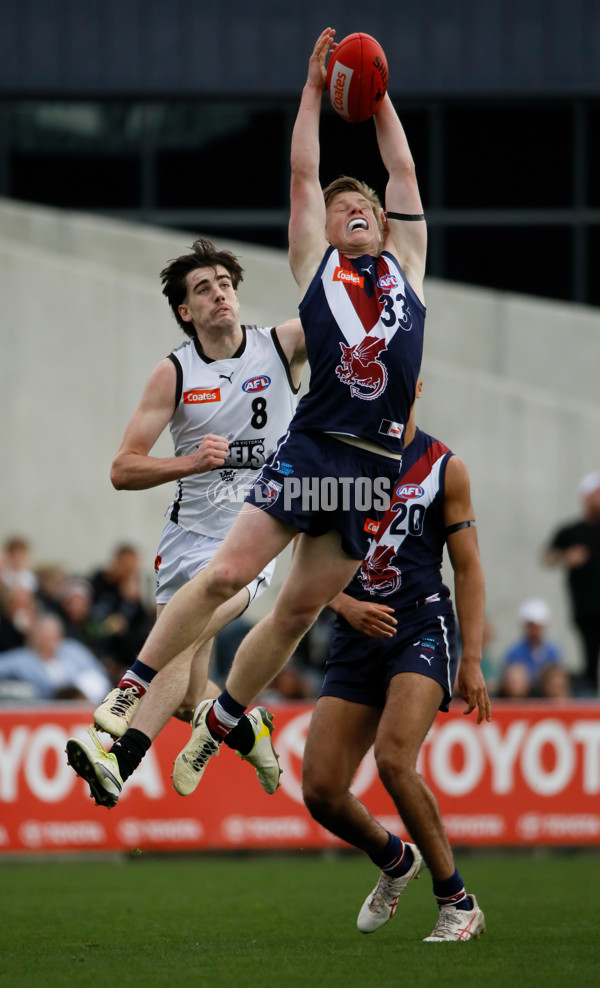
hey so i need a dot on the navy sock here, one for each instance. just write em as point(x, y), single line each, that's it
point(223, 716)
point(396, 857)
point(451, 892)
point(140, 675)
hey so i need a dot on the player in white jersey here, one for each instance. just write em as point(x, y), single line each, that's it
point(227, 395)
point(329, 453)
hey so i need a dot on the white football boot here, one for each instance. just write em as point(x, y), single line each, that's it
point(380, 905)
point(191, 761)
point(116, 711)
point(98, 767)
point(263, 756)
point(458, 924)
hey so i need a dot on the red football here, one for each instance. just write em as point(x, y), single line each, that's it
point(357, 77)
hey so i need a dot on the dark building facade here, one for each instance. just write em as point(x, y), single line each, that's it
point(179, 112)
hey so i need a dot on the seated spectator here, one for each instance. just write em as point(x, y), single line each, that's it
point(118, 611)
point(289, 684)
point(18, 611)
point(555, 683)
point(50, 579)
point(55, 666)
point(16, 564)
point(515, 682)
point(74, 601)
point(489, 661)
point(532, 652)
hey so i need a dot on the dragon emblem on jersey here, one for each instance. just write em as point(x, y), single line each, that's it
point(377, 574)
point(361, 368)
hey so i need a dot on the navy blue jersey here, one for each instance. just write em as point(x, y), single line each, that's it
point(364, 327)
point(403, 565)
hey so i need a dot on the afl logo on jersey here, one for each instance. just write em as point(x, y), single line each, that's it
point(387, 282)
point(254, 384)
point(409, 490)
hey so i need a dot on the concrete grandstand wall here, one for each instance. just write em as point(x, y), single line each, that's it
point(511, 384)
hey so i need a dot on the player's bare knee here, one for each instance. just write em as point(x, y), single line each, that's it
point(319, 807)
point(394, 769)
point(319, 798)
point(294, 623)
point(222, 582)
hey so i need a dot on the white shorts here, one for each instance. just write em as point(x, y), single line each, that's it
point(182, 554)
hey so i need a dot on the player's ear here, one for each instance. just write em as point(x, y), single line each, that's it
point(419, 391)
point(184, 313)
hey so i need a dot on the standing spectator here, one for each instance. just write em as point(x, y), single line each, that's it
point(532, 653)
point(118, 611)
point(576, 547)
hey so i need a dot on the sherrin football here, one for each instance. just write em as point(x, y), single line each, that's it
point(357, 77)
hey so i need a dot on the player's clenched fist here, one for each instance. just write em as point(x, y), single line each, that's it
point(212, 452)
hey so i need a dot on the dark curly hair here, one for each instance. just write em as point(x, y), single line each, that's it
point(204, 255)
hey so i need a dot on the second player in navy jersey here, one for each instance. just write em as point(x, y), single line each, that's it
point(392, 665)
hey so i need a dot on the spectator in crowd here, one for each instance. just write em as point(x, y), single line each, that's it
point(555, 683)
point(576, 547)
point(514, 683)
point(16, 564)
point(53, 665)
point(51, 578)
point(525, 660)
point(17, 614)
point(118, 610)
point(291, 683)
point(74, 601)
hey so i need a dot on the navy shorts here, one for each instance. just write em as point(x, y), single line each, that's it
point(360, 668)
point(320, 484)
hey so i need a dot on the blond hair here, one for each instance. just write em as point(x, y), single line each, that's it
point(345, 183)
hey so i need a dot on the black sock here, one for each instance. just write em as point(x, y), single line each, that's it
point(241, 737)
point(129, 750)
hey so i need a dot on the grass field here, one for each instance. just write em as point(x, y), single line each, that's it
point(270, 921)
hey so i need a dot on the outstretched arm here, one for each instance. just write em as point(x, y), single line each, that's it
point(291, 338)
point(469, 588)
point(307, 241)
point(406, 239)
point(132, 468)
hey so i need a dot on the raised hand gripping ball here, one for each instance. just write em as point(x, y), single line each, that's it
point(357, 77)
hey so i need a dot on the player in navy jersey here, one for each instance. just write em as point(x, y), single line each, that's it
point(360, 275)
point(392, 665)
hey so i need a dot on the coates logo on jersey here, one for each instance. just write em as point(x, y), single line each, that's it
point(371, 526)
point(254, 384)
point(408, 491)
point(387, 282)
point(199, 396)
point(348, 277)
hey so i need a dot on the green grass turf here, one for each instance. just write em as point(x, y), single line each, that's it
point(289, 921)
